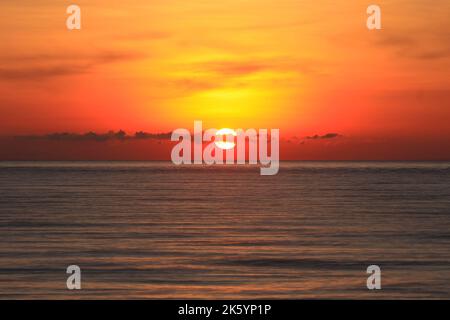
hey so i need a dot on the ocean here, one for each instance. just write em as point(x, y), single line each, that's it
point(153, 230)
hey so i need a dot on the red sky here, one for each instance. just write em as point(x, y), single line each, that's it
point(306, 67)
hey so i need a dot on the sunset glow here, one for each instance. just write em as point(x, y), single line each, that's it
point(239, 158)
point(307, 68)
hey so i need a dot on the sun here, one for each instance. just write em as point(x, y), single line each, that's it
point(224, 132)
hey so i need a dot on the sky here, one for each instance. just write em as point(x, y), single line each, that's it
point(336, 90)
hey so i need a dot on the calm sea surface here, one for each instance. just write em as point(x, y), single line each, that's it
point(154, 230)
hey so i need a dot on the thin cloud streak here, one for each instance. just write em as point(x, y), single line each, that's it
point(43, 66)
point(325, 136)
point(100, 137)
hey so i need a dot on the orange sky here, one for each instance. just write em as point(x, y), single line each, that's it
point(306, 67)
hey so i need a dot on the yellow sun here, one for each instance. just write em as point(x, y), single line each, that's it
point(226, 145)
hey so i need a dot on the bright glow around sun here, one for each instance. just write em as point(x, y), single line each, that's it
point(223, 133)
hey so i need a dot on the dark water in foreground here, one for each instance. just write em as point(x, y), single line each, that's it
point(153, 230)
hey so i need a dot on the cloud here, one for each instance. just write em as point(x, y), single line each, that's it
point(44, 66)
point(100, 137)
point(325, 136)
point(145, 36)
point(421, 46)
point(235, 73)
point(235, 68)
point(158, 136)
point(432, 55)
point(395, 40)
point(38, 73)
